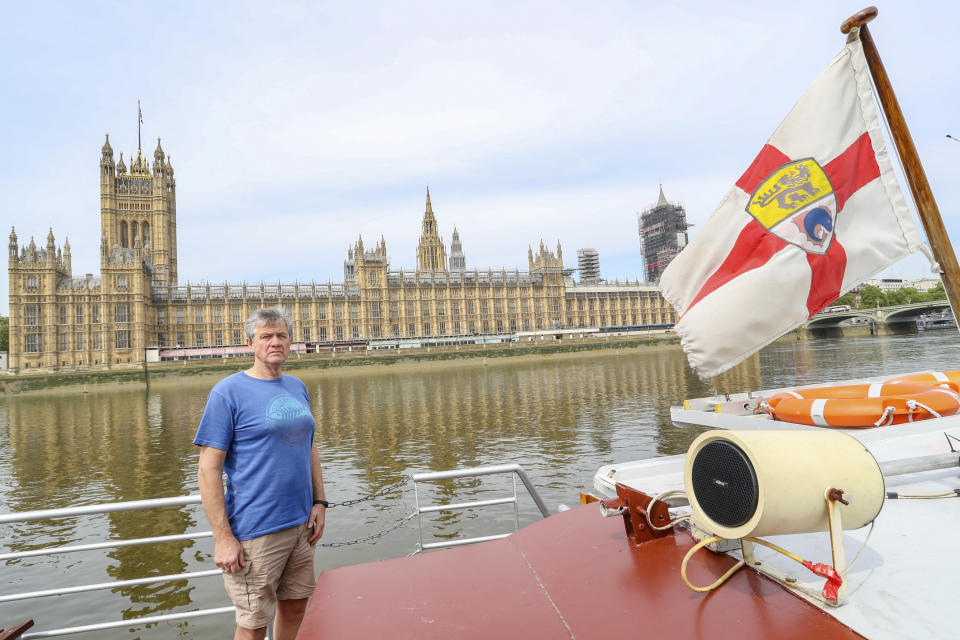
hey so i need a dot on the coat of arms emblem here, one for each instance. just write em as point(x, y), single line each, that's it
point(797, 204)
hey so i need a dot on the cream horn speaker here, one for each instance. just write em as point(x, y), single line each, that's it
point(760, 483)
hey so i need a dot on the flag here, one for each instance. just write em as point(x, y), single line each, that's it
point(818, 211)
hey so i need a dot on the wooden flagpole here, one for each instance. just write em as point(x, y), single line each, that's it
point(916, 177)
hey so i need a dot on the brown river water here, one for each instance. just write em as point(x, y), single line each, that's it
point(560, 416)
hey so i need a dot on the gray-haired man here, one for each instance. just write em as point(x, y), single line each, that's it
point(257, 427)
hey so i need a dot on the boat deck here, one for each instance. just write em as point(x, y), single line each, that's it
point(572, 575)
point(901, 586)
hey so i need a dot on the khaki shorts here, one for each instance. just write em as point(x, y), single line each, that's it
point(277, 566)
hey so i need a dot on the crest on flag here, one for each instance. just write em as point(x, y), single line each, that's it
point(797, 204)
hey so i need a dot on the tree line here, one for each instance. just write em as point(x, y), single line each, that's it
point(870, 297)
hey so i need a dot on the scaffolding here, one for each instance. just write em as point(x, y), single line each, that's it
point(663, 234)
point(588, 264)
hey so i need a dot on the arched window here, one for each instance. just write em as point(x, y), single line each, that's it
point(134, 232)
point(146, 234)
point(124, 242)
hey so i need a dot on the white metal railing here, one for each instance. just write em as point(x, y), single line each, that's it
point(48, 514)
point(515, 470)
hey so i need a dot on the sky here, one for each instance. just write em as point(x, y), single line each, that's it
point(295, 127)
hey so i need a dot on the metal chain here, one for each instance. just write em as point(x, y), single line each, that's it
point(376, 494)
point(372, 536)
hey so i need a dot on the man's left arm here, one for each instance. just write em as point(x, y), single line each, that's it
point(318, 512)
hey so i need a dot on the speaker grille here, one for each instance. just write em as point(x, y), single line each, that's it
point(725, 483)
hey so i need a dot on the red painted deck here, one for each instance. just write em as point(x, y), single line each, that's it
point(573, 575)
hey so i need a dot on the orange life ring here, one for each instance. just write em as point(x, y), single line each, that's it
point(864, 405)
point(931, 377)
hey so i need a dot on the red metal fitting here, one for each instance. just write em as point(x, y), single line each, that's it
point(635, 505)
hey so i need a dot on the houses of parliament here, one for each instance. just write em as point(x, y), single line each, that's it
point(137, 310)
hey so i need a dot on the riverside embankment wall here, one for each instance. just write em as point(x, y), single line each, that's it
point(172, 372)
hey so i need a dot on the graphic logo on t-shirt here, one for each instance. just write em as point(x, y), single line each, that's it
point(290, 419)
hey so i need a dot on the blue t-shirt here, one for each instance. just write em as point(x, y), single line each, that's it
point(266, 428)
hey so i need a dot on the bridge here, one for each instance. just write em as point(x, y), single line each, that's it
point(896, 315)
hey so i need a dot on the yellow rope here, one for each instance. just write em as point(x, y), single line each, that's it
point(720, 581)
point(734, 569)
point(770, 545)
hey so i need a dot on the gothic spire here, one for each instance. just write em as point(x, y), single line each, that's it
point(662, 200)
point(429, 221)
point(431, 253)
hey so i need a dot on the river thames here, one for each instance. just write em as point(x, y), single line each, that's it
point(559, 416)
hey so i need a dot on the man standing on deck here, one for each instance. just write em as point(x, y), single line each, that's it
point(257, 428)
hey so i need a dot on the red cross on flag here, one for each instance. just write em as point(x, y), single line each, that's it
point(818, 211)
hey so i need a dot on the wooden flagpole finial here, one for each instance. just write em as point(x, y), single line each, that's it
point(858, 19)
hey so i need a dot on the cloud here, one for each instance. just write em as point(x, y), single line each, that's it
point(294, 127)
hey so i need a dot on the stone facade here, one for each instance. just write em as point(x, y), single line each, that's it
point(136, 306)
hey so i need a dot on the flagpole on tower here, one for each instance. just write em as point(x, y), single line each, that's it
point(916, 176)
point(139, 122)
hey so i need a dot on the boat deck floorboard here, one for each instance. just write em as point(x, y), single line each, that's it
point(573, 575)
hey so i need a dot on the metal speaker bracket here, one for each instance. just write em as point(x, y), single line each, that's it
point(633, 505)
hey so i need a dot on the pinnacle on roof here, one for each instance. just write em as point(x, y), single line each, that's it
point(139, 165)
point(662, 200)
point(429, 206)
point(106, 148)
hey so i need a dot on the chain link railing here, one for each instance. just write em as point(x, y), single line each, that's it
point(376, 494)
point(372, 536)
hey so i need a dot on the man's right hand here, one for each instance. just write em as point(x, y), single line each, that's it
point(228, 555)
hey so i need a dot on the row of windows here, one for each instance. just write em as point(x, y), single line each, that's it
point(218, 293)
point(374, 311)
point(199, 339)
point(33, 342)
point(341, 332)
point(601, 303)
point(33, 314)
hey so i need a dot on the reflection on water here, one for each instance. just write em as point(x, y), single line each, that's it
point(561, 417)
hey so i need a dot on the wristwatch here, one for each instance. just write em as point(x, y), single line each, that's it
point(323, 502)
